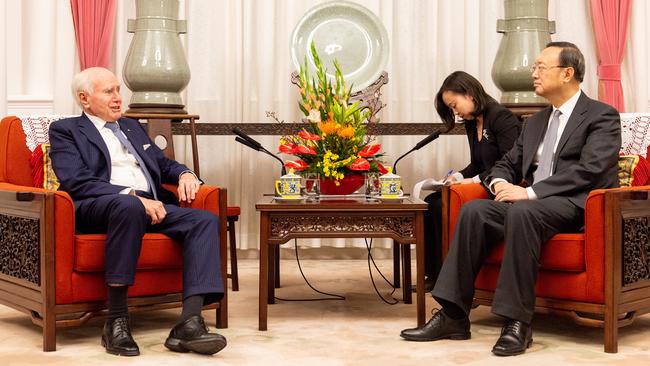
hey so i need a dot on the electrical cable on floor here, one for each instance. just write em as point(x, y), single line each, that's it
point(371, 259)
point(331, 296)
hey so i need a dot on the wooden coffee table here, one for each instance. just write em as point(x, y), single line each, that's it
point(345, 217)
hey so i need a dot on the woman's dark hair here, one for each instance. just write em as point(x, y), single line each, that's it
point(462, 83)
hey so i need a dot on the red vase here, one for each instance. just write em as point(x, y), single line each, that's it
point(348, 185)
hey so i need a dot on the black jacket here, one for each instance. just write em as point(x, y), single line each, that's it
point(501, 129)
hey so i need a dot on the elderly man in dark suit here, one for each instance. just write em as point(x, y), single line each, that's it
point(540, 188)
point(114, 174)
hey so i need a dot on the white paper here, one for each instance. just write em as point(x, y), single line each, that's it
point(427, 185)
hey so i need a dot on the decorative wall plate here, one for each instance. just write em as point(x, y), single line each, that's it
point(347, 32)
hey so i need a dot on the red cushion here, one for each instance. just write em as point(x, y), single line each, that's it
point(158, 252)
point(91, 286)
point(564, 252)
point(233, 211)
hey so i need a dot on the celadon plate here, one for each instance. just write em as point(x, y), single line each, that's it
point(347, 32)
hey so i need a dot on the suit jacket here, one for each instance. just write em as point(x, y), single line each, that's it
point(82, 163)
point(586, 157)
point(501, 129)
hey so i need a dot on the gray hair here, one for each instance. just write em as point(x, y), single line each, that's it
point(84, 81)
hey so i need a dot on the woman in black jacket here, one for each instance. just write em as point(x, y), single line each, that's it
point(491, 131)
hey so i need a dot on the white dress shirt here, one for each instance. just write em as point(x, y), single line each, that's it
point(125, 170)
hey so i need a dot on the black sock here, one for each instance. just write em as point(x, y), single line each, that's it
point(191, 306)
point(117, 305)
point(451, 310)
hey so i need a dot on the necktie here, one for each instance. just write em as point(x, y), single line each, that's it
point(113, 126)
point(545, 163)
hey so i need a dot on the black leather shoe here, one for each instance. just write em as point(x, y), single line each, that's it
point(192, 335)
point(117, 339)
point(440, 326)
point(516, 337)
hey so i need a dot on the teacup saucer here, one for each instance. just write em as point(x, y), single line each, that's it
point(391, 199)
point(289, 199)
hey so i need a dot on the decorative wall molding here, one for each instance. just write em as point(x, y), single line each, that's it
point(380, 129)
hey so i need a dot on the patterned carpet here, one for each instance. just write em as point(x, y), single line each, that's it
point(362, 330)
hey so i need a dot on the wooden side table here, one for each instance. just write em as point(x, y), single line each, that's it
point(160, 124)
point(347, 217)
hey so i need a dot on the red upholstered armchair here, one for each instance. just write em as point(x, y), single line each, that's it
point(55, 275)
point(599, 277)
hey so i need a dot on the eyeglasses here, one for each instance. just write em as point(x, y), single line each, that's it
point(542, 69)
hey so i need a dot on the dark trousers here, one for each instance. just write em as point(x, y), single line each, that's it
point(433, 236)
point(124, 220)
point(524, 226)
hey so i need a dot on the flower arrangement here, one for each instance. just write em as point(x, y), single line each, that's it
point(334, 141)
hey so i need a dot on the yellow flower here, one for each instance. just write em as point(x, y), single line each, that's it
point(347, 132)
point(328, 128)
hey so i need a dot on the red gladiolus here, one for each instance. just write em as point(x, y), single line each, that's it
point(382, 169)
point(306, 135)
point(296, 165)
point(306, 150)
point(360, 164)
point(288, 148)
point(369, 150)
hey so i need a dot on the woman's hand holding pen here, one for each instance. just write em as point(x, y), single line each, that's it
point(449, 178)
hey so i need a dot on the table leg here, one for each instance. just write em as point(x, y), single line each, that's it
point(277, 266)
point(419, 263)
point(272, 265)
point(406, 273)
point(396, 271)
point(264, 270)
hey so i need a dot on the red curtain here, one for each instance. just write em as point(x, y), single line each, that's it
point(94, 23)
point(610, 19)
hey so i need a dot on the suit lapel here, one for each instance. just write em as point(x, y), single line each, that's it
point(537, 128)
point(575, 120)
point(88, 129)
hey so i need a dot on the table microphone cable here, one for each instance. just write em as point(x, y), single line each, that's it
point(371, 259)
point(331, 296)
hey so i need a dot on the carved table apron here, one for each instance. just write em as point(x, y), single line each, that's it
point(280, 222)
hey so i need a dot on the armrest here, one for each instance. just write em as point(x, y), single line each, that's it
point(453, 198)
point(596, 234)
point(207, 198)
point(62, 245)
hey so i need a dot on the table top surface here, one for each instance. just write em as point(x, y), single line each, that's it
point(340, 203)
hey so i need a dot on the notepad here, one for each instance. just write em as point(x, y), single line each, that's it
point(429, 184)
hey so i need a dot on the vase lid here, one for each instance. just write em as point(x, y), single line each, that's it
point(389, 175)
point(290, 175)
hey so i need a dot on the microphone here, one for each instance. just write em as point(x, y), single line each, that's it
point(248, 141)
point(418, 146)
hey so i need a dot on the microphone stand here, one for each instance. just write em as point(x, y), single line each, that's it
point(248, 141)
point(418, 146)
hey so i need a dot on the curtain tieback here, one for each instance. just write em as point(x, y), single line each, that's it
point(609, 72)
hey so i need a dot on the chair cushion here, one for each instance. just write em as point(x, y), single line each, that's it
point(233, 211)
point(158, 252)
point(564, 252)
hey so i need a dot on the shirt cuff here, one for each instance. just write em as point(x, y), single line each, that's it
point(493, 182)
point(531, 193)
point(191, 172)
point(129, 191)
point(476, 179)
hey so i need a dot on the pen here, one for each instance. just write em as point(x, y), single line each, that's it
point(449, 173)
